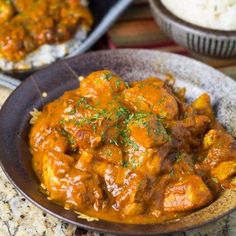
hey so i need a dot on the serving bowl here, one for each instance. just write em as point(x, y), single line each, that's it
point(208, 42)
point(15, 157)
point(104, 14)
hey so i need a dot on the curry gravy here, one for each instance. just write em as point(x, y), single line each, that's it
point(131, 153)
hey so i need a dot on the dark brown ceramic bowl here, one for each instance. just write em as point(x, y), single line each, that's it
point(208, 42)
point(132, 65)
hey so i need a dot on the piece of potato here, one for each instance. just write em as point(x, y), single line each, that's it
point(224, 170)
point(187, 194)
point(203, 105)
point(84, 162)
point(133, 209)
point(219, 147)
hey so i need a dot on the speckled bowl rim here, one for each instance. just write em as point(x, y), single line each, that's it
point(134, 229)
point(189, 26)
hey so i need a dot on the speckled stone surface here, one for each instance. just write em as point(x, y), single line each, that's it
point(18, 217)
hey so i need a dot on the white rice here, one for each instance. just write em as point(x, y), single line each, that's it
point(213, 14)
point(46, 54)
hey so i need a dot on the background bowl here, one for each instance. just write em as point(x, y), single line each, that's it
point(15, 157)
point(208, 42)
point(104, 13)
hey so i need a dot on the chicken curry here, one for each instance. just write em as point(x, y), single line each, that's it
point(28, 24)
point(131, 153)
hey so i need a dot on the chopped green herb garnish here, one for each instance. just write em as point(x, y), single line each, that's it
point(69, 137)
point(107, 76)
point(122, 112)
point(179, 156)
point(125, 164)
point(172, 172)
point(118, 82)
point(162, 100)
point(62, 121)
point(127, 141)
point(108, 153)
point(72, 112)
point(84, 102)
point(215, 180)
point(141, 85)
point(114, 141)
point(134, 163)
point(127, 85)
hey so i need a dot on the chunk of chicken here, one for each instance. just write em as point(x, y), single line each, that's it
point(150, 96)
point(147, 131)
point(55, 164)
point(147, 162)
point(87, 139)
point(43, 139)
point(78, 189)
point(187, 194)
point(111, 153)
point(101, 84)
point(224, 170)
point(130, 200)
point(151, 163)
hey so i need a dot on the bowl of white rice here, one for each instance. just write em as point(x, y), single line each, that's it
point(206, 27)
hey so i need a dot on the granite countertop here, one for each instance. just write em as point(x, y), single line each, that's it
point(18, 217)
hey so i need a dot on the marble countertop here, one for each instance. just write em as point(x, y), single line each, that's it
point(18, 217)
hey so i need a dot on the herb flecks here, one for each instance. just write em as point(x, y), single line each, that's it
point(83, 102)
point(127, 85)
point(108, 153)
point(172, 173)
point(215, 180)
point(69, 138)
point(133, 163)
point(180, 156)
point(114, 141)
point(162, 100)
point(107, 76)
point(127, 141)
point(125, 164)
point(122, 112)
point(118, 83)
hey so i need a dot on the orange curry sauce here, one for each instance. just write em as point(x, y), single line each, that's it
point(28, 24)
point(133, 153)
